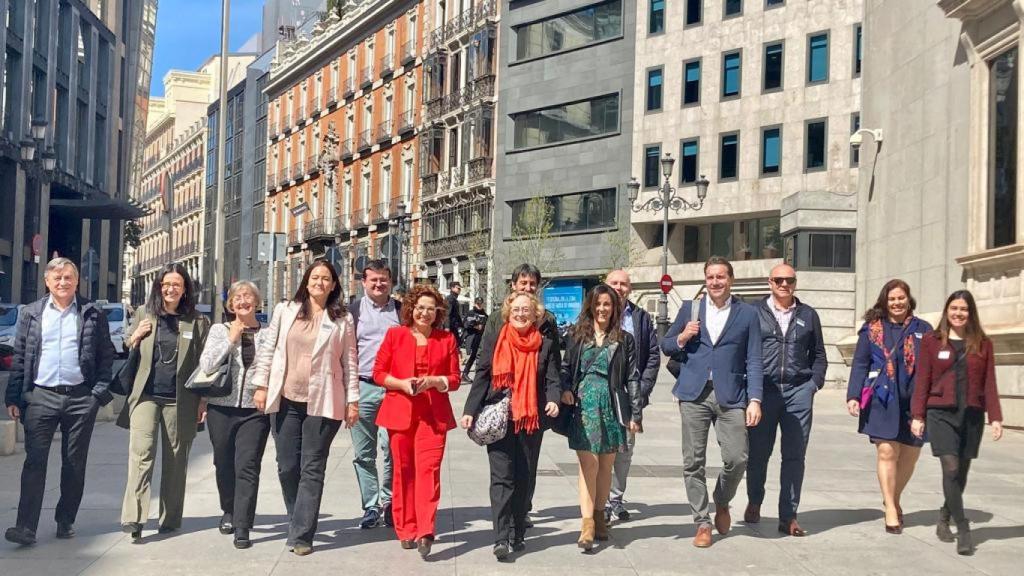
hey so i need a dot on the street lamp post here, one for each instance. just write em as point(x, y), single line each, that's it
point(666, 199)
point(399, 227)
point(38, 164)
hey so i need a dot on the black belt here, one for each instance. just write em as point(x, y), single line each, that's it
point(63, 390)
point(366, 379)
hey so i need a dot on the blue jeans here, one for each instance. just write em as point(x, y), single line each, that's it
point(789, 409)
point(367, 439)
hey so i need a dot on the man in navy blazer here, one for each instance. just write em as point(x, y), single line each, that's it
point(720, 384)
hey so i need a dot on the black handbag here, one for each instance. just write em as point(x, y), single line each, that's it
point(213, 385)
point(567, 412)
point(124, 379)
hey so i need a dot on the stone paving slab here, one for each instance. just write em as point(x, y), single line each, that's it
point(840, 509)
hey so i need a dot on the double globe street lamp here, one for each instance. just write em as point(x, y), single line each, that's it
point(399, 228)
point(663, 201)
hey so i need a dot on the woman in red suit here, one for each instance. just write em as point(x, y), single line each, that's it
point(418, 364)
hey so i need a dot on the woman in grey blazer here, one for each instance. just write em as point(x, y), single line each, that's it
point(238, 431)
point(169, 335)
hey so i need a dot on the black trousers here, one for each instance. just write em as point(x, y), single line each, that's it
point(239, 437)
point(303, 445)
point(513, 461)
point(472, 347)
point(75, 415)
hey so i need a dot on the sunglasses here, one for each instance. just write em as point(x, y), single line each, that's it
point(780, 280)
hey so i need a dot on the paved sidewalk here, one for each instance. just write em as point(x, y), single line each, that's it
point(840, 509)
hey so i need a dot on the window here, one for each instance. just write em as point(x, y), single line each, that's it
point(773, 3)
point(732, 8)
point(568, 213)
point(652, 158)
point(854, 152)
point(858, 48)
point(654, 90)
point(656, 17)
point(817, 58)
point(731, 74)
point(591, 24)
point(693, 11)
point(566, 122)
point(728, 157)
point(815, 145)
point(691, 82)
point(1003, 122)
point(771, 150)
point(750, 239)
point(689, 167)
point(822, 250)
point(773, 59)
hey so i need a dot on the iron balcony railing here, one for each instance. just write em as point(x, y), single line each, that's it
point(321, 228)
point(379, 213)
point(482, 87)
point(366, 77)
point(350, 87)
point(407, 121)
point(384, 130)
point(462, 23)
point(387, 65)
point(346, 149)
point(365, 139)
point(428, 185)
point(408, 52)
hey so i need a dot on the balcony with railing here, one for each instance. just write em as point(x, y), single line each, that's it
point(366, 77)
point(350, 87)
point(297, 170)
point(312, 166)
point(365, 139)
point(428, 185)
point(478, 169)
point(283, 177)
point(482, 87)
point(321, 230)
point(287, 122)
point(462, 23)
point(450, 178)
point(302, 113)
point(384, 131)
point(345, 149)
point(408, 52)
point(379, 213)
point(387, 64)
point(186, 208)
point(187, 249)
point(273, 130)
point(358, 218)
point(407, 121)
point(295, 237)
point(314, 106)
point(332, 96)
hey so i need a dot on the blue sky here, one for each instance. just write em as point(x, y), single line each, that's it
point(188, 32)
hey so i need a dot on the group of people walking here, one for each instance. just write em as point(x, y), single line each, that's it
point(383, 368)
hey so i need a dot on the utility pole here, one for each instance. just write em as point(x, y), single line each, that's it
point(222, 111)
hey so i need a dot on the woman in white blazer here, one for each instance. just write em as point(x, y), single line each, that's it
point(307, 375)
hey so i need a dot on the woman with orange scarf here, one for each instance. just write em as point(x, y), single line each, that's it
point(517, 361)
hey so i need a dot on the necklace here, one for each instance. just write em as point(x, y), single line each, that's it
point(160, 352)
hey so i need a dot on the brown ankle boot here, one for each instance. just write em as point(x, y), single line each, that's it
point(586, 540)
point(600, 527)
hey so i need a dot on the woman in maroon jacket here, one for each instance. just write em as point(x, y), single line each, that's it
point(956, 385)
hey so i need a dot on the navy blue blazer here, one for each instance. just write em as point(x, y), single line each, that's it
point(734, 362)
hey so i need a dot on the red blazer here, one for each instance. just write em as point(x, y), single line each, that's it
point(397, 358)
point(936, 387)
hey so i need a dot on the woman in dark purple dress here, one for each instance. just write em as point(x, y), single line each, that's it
point(881, 386)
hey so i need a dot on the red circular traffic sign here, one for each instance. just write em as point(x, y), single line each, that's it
point(666, 284)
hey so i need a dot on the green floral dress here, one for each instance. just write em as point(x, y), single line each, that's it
point(595, 428)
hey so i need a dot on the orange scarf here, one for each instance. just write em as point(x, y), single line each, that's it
point(515, 368)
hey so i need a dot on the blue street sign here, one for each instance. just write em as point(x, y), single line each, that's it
point(564, 299)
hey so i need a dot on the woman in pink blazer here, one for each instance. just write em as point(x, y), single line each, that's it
point(418, 364)
point(307, 375)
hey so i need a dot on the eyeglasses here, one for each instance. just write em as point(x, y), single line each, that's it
point(425, 309)
point(780, 280)
point(172, 286)
point(526, 310)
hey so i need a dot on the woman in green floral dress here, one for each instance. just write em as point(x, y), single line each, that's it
point(599, 377)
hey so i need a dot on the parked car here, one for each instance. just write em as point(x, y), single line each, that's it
point(8, 324)
point(118, 318)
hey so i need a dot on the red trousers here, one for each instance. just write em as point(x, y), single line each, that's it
point(416, 456)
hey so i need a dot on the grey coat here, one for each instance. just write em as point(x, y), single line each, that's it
point(217, 348)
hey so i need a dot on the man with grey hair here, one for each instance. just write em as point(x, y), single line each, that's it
point(59, 378)
point(640, 326)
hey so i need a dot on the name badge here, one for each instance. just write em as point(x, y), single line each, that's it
point(943, 354)
point(799, 322)
point(917, 335)
point(325, 326)
point(186, 335)
point(873, 374)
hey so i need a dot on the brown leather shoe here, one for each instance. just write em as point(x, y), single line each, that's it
point(752, 515)
point(791, 528)
point(723, 520)
point(703, 537)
